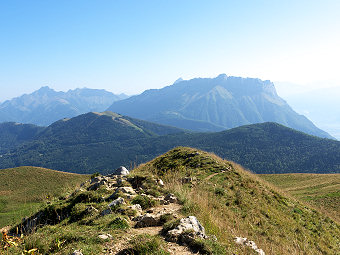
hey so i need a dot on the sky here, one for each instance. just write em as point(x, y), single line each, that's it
point(128, 46)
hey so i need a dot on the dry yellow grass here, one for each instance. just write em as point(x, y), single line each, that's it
point(235, 202)
point(321, 191)
point(24, 189)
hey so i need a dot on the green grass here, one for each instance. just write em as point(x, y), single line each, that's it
point(147, 245)
point(234, 202)
point(80, 224)
point(320, 190)
point(24, 190)
point(226, 199)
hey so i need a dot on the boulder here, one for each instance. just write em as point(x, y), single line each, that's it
point(146, 220)
point(121, 171)
point(116, 202)
point(186, 225)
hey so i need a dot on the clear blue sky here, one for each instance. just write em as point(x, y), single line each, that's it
point(129, 46)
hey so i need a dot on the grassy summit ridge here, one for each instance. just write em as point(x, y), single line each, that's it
point(229, 202)
point(25, 189)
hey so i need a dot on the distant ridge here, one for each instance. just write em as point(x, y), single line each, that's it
point(215, 104)
point(46, 106)
point(104, 141)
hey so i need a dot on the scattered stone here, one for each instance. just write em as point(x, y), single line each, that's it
point(251, 244)
point(126, 190)
point(171, 198)
point(105, 236)
point(116, 202)
point(77, 252)
point(164, 202)
point(96, 179)
point(186, 225)
point(129, 191)
point(137, 207)
point(213, 238)
point(94, 186)
point(160, 182)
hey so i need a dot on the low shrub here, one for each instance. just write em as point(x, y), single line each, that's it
point(144, 201)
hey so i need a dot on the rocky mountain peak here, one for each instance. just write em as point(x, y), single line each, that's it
point(178, 80)
point(222, 76)
point(45, 90)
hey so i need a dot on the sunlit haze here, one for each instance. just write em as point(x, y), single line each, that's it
point(130, 46)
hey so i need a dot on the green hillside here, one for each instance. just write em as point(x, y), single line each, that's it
point(320, 190)
point(229, 202)
point(13, 134)
point(101, 142)
point(25, 189)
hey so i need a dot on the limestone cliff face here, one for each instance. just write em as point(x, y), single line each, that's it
point(224, 102)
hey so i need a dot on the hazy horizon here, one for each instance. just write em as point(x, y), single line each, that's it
point(128, 47)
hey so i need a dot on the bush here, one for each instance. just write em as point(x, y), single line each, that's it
point(87, 197)
point(219, 191)
point(170, 225)
point(119, 223)
point(166, 218)
point(77, 212)
point(144, 201)
point(94, 175)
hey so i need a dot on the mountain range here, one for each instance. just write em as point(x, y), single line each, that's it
point(201, 104)
point(215, 104)
point(45, 106)
point(103, 141)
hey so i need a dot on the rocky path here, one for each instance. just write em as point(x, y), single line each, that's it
point(117, 247)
